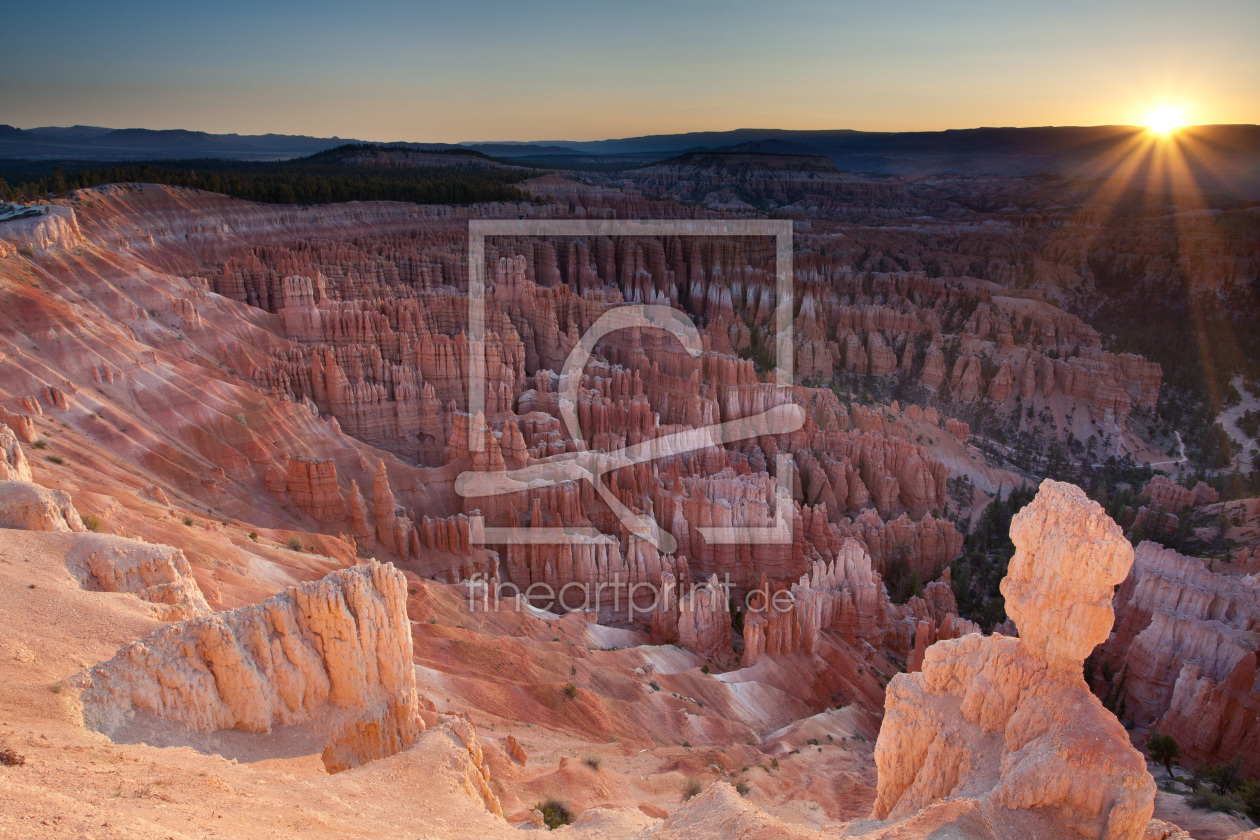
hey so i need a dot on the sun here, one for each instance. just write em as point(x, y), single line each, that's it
point(1165, 119)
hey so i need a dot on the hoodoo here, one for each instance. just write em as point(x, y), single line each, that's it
point(1007, 725)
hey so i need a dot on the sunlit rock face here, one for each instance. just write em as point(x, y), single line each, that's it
point(1010, 723)
point(1069, 555)
point(334, 654)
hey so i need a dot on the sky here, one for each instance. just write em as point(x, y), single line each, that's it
point(476, 70)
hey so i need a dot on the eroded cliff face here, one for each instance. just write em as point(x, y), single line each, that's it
point(334, 654)
point(1183, 655)
point(844, 595)
point(1166, 502)
point(1009, 723)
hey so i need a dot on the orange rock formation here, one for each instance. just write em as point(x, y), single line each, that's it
point(1020, 706)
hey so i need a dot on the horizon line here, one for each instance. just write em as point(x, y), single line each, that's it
point(634, 136)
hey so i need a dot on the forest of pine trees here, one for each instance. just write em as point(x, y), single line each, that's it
point(319, 179)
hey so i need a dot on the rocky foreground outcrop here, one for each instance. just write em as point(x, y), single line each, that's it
point(1007, 726)
point(333, 655)
point(155, 573)
point(30, 507)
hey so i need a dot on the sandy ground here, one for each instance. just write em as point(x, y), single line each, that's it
point(77, 783)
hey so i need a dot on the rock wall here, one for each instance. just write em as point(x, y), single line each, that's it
point(704, 620)
point(845, 596)
point(1169, 496)
point(313, 487)
point(1184, 651)
point(934, 616)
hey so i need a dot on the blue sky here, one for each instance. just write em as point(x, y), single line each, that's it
point(546, 70)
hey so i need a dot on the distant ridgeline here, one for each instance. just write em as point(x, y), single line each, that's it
point(354, 172)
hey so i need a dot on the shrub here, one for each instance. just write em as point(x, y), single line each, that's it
point(704, 669)
point(295, 544)
point(433, 620)
point(593, 762)
point(253, 535)
point(693, 787)
point(1226, 778)
point(9, 758)
point(1223, 788)
point(655, 685)
point(1163, 749)
point(555, 813)
point(687, 744)
point(188, 521)
point(1249, 793)
point(40, 444)
point(56, 459)
point(242, 419)
point(92, 522)
point(742, 788)
point(774, 764)
point(1211, 800)
point(570, 690)
point(1249, 424)
point(813, 742)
